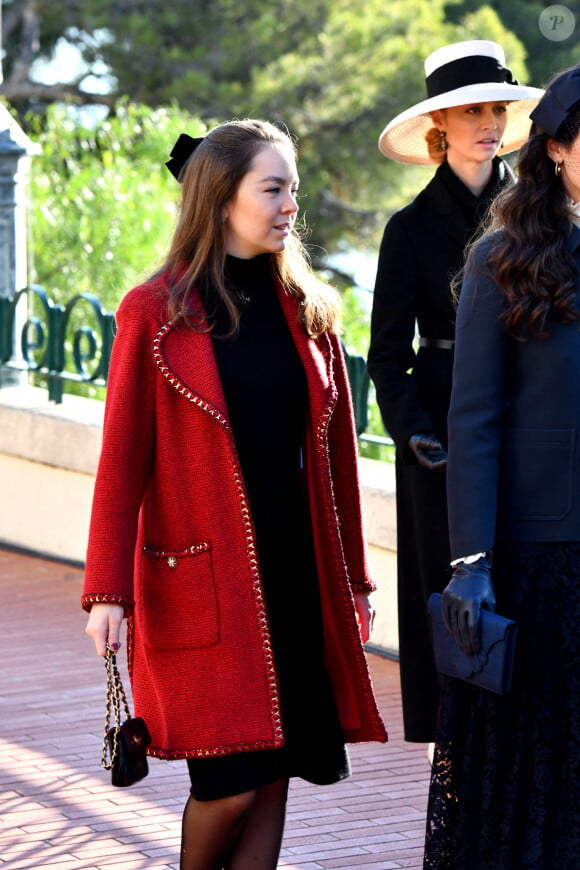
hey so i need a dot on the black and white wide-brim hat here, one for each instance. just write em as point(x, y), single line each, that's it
point(457, 75)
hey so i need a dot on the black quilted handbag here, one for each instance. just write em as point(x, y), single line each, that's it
point(125, 742)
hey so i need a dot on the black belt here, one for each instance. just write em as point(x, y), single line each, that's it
point(440, 343)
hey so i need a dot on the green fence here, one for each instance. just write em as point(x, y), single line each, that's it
point(72, 343)
point(59, 343)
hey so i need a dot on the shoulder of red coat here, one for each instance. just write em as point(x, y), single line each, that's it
point(150, 298)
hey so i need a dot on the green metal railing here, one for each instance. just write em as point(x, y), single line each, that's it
point(360, 382)
point(72, 343)
point(61, 343)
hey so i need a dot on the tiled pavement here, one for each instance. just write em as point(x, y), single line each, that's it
point(57, 810)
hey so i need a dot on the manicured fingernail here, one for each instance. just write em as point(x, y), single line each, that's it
point(115, 646)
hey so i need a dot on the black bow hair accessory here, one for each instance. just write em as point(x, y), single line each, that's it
point(181, 152)
point(559, 101)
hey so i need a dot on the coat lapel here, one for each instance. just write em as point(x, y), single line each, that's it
point(446, 215)
point(317, 358)
point(187, 360)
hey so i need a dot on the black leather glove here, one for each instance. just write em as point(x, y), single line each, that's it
point(469, 589)
point(428, 450)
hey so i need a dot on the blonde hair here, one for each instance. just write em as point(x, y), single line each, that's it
point(197, 255)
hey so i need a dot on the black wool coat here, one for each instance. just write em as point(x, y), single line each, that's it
point(422, 249)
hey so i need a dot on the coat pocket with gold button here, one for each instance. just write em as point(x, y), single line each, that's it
point(178, 607)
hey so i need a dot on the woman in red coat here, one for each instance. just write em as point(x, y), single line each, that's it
point(226, 521)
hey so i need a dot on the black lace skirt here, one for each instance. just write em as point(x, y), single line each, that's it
point(505, 786)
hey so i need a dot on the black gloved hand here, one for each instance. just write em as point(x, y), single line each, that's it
point(469, 589)
point(428, 450)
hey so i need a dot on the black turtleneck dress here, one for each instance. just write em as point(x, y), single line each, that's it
point(266, 395)
point(422, 249)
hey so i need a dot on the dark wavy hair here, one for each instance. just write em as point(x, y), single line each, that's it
point(529, 258)
point(197, 254)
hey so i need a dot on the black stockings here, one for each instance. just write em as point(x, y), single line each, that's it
point(235, 833)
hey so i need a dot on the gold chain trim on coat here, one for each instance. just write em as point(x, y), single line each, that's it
point(176, 383)
point(166, 755)
point(172, 557)
point(248, 528)
point(188, 551)
point(338, 552)
point(106, 599)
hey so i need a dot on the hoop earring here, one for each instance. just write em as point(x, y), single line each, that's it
point(442, 140)
point(557, 169)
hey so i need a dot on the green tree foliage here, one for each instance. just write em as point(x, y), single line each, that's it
point(103, 203)
point(342, 87)
point(333, 72)
point(545, 57)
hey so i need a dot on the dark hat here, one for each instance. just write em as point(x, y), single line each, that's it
point(559, 101)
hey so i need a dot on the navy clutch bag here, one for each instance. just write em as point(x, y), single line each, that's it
point(492, 667)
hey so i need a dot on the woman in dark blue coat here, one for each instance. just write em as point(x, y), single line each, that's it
point(474, 112)
point(505, 790)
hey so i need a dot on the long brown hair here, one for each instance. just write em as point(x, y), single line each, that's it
point(197, 255)
point(529, 258)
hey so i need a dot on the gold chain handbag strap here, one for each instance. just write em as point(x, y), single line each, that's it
point(116, 699)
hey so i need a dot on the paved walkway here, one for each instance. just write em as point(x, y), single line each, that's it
point(57, 809)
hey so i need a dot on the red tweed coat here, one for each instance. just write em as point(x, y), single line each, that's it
point(171, 538)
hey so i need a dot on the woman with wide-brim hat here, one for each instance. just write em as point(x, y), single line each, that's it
point(474, 112)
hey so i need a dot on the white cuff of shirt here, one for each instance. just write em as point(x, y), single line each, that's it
point(468, 560)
